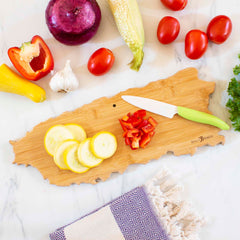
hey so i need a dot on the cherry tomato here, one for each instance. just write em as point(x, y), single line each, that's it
point(175, 5)
point(168, 30)
point(101, 61)
point(219, 29)
point(196, 43)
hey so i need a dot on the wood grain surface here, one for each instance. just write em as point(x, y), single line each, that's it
point(176, 135)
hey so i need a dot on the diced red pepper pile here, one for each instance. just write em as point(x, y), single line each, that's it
point(137, 130)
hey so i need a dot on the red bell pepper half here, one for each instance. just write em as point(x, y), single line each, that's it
point(137, 130)
point(33, 60)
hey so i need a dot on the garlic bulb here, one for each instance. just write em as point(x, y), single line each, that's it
point(64, 80)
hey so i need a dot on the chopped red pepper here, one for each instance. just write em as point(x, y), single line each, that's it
point(135, 143)
point(140, 114)
point(132, 133)
point(137, 130)
point(127, 141)
point(125, 125)
point(134, 121)
point(152, 121)
point(125, 118)
point(125, 134)
point(33, 60)
point(148, 128)
point(145, 140)
point(133, 147)
point(143, 124)
point(141, 132)
point(151, 134)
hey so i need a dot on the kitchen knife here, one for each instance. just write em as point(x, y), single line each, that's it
point(169, 110)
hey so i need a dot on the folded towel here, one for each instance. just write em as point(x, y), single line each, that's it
point(154, 211)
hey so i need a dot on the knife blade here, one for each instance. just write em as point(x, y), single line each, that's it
point(169, 110)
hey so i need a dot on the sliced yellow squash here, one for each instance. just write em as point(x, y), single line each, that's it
point(85, 156)
point(103, 145)
point(58, 155)
point(77, 131)
point(54, 136)
point(70, 156)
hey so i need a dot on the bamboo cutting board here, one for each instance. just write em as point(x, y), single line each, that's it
point(175, 135)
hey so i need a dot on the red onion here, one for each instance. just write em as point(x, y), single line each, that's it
point(73, 22)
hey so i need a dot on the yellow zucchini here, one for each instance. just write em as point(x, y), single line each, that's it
point(11, 82)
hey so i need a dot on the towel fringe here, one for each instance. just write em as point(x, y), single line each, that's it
point(178, 217)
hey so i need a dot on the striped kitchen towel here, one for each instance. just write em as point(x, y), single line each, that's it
point(154, 211)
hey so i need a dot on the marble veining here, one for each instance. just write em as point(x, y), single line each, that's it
point(31, 208)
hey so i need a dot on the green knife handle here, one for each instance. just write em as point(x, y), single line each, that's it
point(202, 117)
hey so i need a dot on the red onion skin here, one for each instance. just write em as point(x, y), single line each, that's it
point(73, 22)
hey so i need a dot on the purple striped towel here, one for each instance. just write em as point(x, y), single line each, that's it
point(151, 212)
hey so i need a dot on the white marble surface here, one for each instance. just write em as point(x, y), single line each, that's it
point(31, 208)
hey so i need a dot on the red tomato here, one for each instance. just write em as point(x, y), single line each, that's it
point(175, 5)
point(196, 43)
point(219, 29)
point(168, 30)
point(101, 61)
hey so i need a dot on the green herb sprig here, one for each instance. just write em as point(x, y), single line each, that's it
point(233, 103)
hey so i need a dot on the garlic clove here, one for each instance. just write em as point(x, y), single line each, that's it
point(64, 80)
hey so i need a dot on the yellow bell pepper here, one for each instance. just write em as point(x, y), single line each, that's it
point(12, 83)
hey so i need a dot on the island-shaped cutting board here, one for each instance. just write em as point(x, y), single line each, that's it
point(176, 135)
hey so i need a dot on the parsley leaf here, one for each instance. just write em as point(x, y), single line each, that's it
point(233, 103)
point(236, 70)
